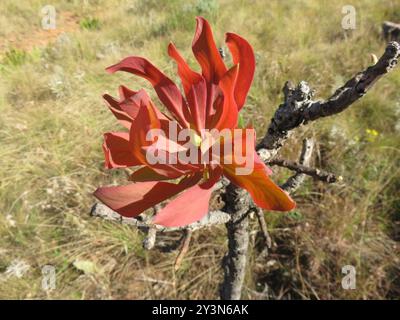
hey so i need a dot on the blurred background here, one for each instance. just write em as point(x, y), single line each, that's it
point(52, 118)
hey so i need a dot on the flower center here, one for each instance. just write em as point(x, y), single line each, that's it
point(197, 140)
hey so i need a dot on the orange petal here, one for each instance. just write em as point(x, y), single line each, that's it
point(265, 193)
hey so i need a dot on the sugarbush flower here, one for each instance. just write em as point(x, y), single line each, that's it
point(206, 119)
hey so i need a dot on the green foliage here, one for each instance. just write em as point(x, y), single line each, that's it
point(295, 215)
point(241, 123)
point(90, 23)
point(15, 57)
point(182, 16)
point(206, 7)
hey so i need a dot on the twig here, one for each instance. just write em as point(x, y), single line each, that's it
point(299, 168)
point(290, 186)
point(295, 181)
point(263, 226)
point(184, 249)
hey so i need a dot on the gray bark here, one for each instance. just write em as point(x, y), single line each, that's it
point(234, 263)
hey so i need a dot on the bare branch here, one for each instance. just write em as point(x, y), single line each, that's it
point(299, 108)
point(263, 226)
point(356, 87)
point(184, 249)
point(299, 168)
point(213, 218)
point(312, 172)
point(295, 181)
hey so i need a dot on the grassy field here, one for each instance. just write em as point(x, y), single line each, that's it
point(52, 119)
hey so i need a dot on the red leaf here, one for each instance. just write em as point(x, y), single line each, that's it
point(242, 54)
point(131, 200)
point(117, 151)
point(206, 52)
point(166, 89)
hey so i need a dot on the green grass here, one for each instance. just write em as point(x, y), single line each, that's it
point(90, 24)
point(52, 121)
point(15, 57)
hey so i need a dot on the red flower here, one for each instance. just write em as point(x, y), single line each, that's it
point(212, 100)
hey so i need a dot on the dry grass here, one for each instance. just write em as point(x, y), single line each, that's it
point(52, 120)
